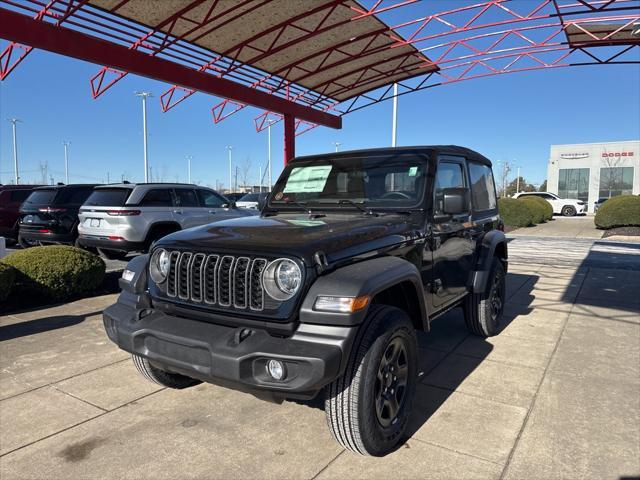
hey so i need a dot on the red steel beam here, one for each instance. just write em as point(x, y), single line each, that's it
point(38, 34)
point(289, 138)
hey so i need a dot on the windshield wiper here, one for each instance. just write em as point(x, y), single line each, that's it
point(346, 201)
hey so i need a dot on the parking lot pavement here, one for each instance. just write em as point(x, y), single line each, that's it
point(580, 226)
point(555, 395)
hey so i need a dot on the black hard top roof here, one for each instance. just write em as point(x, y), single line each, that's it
point(430, 150)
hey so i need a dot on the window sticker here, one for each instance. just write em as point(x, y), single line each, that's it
point(307, 179)
point(413, 171)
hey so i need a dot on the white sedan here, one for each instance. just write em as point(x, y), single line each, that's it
point(568, 207)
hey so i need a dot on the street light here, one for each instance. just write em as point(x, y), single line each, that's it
point(66, 161)
point(144, 96)
point(229, 148)
point(337, 145)
point(14, 122)
point(189, 158)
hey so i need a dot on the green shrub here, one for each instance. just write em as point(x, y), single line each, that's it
point(57, 272)
point(538, 211)
point(548, 209)
point(623, 211)
point(514, 213)
point(7, 276)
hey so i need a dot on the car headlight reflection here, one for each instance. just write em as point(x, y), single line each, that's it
point(160, 265)
point(282, 279)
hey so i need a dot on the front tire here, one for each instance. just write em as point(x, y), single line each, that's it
point(483, 311)
point(368, 407)
point(569, 211)
point(161, 377)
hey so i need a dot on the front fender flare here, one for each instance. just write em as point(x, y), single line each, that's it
point(368, 277)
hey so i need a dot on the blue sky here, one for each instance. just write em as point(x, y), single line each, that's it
point(514, 117)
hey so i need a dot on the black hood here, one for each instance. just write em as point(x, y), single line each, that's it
point(337, 235)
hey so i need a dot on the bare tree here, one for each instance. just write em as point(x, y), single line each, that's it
point(245, 172)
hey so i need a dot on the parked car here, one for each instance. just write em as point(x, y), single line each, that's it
point(252, 200)
point(50, 214)
point(123, 218)
point(598, 203)
point(325, 291)
point(11, 197)
point(234, 196)
point(568, 207)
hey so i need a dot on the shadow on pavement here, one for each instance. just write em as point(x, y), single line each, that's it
point(447, 333)
point(40, 325)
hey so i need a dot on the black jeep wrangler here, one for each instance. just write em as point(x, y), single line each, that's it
point(325, 290)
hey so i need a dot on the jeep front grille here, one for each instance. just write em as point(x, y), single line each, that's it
point(217, 280)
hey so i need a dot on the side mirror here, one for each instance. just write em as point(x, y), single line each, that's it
point(455, 201)
point(229, 205)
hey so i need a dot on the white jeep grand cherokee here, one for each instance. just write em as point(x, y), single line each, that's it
point(568, 207)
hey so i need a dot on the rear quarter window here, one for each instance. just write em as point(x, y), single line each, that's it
point(108, 197)
point(483, 192)
point(157, 197)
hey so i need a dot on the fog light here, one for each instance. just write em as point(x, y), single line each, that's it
point(275, 368)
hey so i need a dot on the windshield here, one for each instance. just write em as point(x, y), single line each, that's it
point(42, 197)
point(108, 197)
point(374, 182)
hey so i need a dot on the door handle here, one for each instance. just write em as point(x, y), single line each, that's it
point(178, 212)
point(213, 212)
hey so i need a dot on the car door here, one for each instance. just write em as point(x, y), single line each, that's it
point(187, 211)
point(451, 237)
point(555, 203)
point(215, 207)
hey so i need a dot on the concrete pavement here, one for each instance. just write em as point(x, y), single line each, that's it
point(567, 227)
point(555, 395)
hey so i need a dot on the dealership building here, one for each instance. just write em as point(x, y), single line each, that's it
point(589, 171)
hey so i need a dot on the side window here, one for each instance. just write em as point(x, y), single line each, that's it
point(78, 196)
point(210, 199)
point(18, 195)
point(158, 197)
point(483, 193)
point(450, 175)
point(186, 197)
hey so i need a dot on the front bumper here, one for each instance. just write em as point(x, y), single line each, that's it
point(95, 241)
point(234, 357)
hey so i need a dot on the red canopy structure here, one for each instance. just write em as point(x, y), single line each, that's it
point(310, 62)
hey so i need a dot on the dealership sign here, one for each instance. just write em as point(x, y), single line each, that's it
point(573, 156)
point(617, 154)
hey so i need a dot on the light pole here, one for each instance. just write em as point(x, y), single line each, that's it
point(229, 148)
point(394, 121)
point(337, 145)
point(518, 181)
point(271, 122)
point(144, 96)
point(14, 122)
point(66, 161)
point(189, 158)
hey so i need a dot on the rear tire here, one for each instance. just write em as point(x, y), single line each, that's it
point(24, 243)
point(483, 311)
point(569, 211)
point(368, 407)
point(156, 375)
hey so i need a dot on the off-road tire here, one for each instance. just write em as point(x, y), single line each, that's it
point(155, 375)
point(111, 254)
point(25, 243)
point(480, 313)
point(569, 211)
point(350, 399)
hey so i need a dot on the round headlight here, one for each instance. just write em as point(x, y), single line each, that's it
point(160, 264)
point(282, 279)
